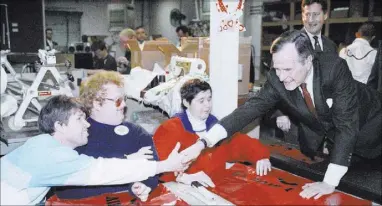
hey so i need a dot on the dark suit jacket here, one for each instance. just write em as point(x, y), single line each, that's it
point(329, 45)
point(375, 78)
point(340, 123)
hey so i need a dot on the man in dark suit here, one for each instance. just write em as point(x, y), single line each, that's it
point(314, 14)
point(375, 78)
point(318, 91)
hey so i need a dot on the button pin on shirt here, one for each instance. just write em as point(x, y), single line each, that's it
point(121, 130)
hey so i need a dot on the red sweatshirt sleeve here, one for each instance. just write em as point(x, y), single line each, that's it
point(243, 148)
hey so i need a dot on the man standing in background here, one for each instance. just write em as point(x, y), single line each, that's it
point(314, 14)
point(50, 44)
point(182, 31)
point(141, 36)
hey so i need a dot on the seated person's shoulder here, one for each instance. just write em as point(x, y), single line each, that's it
point(110, 63)
point(135, 129)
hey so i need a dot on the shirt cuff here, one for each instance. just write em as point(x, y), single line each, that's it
point(334, 173)
point(215, 134)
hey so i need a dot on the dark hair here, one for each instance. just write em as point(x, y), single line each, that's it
point(99, 44)
point(183, 28)
point(323, 4)
point(139, 27)
point(58, 109)
point(299, 38)
point(191, 88)
point(48, 29)
point(367, 30)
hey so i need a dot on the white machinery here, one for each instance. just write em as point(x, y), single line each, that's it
point(31, 91)
point(183, 65)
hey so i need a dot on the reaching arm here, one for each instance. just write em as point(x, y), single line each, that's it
point(254, 107)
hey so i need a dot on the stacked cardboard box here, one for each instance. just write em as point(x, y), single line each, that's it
point(193, 47)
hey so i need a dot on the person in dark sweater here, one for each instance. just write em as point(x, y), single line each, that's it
point(103, 60)
point(110, 136)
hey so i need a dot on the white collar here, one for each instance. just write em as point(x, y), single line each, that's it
point(309, 78)
point(311, 35)
point(197, 124)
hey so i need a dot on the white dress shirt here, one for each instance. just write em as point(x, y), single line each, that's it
point(50, 44)
point(360, 57)
point(312, 40)
point(309, 85)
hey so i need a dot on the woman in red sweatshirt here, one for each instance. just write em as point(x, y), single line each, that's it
point(186, 127)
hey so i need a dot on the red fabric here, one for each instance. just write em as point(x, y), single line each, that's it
point(212, 160)
point(241, 186)
point(160, 196)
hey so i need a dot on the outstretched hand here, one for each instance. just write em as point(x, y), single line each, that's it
point(316, 190)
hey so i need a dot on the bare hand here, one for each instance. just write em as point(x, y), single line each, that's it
point(141, 190)
point(192, 152)
point(316, 190)
point(201, 177)
point(174, 162)
point(263, 166)
point(283, 122)
point(143, 153)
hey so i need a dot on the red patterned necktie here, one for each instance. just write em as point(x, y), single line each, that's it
point(308, 99)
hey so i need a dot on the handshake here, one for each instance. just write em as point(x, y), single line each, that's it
point(176, 162)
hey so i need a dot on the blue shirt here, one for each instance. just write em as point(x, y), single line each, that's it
point(104, 142)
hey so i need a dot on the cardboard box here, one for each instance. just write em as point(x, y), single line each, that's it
point(193, 47)
point(244, 60)
point(147, 57)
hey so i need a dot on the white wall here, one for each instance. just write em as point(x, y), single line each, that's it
point(160, 20)
point(160, 16)
point(94, 18)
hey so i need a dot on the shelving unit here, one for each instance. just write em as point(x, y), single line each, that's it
point(336, 26)
point(295, 23)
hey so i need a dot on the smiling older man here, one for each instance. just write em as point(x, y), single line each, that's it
point(318, 90)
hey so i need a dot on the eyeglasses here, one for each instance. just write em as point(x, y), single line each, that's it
point(118, 101)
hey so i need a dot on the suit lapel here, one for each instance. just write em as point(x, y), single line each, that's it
point(319, 99)
point(324, 44)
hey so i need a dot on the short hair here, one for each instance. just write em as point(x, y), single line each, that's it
point(127, 32)
point(58, 109)
point(48, 29)
point(191, 88)
point(299, 38)
point(99, 44)
point(183, 28)
point(367, 30)
point(323, 4)
point(91, 88)
point(139, 27)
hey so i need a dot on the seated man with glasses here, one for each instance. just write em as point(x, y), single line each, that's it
point(110, 136)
